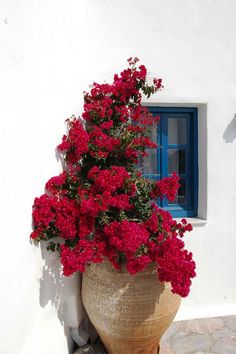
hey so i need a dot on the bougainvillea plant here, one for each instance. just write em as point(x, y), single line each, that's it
point(100, 207)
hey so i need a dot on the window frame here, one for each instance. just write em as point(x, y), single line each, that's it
point(190, 209)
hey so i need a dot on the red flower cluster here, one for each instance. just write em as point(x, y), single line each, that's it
point(83, 253)
point(54, 185)
point(175, 265)
point(75, 144)
point(100, 206)
point(54, 217)
point(166, 187)
point(108, 180)
point(126, 236)
point(102, 144)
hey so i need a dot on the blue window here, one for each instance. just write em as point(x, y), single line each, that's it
point(176, 135)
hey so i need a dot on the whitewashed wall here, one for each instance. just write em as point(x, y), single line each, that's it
point(50, 51)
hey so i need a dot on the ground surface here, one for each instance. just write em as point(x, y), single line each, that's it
point(202, 336)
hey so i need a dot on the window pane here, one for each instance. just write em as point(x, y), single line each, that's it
point(152, 130)
point(181, 196)
point(177, 131)
point(176, 161)
point(149, 163)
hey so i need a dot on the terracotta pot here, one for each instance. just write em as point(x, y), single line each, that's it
point(130, 313)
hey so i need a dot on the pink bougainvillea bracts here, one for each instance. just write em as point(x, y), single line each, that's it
point(100, 207)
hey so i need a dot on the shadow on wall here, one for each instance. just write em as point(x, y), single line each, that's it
point(230, 132)
point(64, 294)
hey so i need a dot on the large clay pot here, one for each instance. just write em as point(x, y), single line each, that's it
point(129, 312)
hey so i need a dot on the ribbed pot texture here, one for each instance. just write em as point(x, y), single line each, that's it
point(129, 312)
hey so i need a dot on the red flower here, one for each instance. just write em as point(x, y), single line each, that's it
point(75, 144)
point(167, 186)
point(137, 264)
point(126, 236)
point(80, 256)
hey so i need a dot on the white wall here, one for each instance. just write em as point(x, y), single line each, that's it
point(50, 51)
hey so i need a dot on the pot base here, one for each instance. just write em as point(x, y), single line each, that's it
point(127, 347)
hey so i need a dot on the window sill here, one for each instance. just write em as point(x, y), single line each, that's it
point(194, 221)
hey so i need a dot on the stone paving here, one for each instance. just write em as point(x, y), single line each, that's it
point(201, 336)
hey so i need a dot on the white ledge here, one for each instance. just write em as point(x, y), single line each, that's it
point(194, 221)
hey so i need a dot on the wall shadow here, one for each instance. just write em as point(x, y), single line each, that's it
point(230, 132)
point(63, 293)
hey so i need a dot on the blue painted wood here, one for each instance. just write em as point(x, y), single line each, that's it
point(191, 148)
